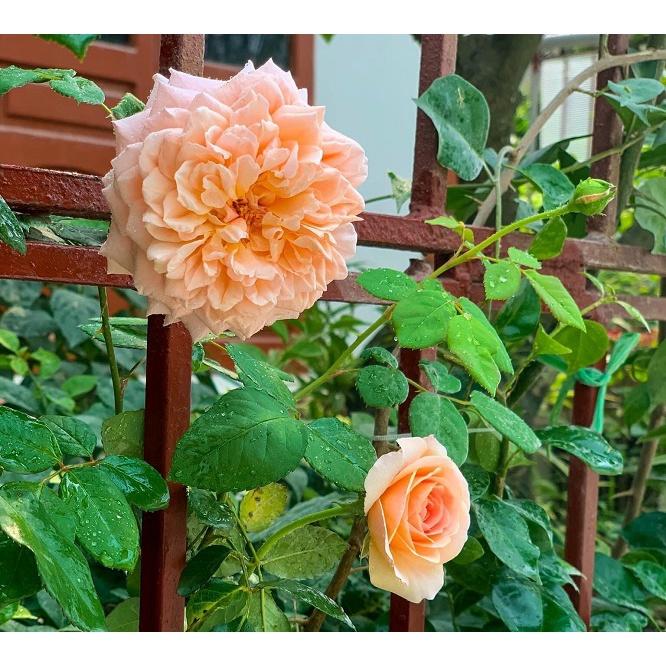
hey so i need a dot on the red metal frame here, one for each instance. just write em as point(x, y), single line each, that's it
point(168, 364)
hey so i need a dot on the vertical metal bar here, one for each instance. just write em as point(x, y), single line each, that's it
point(167, 416)
point(438, 58)
point(582, 497)
point(607, 134)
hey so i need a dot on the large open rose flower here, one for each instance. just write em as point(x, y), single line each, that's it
point(417, 503)
point(232, 201)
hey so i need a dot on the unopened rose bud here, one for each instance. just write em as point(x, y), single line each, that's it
point(592, 196)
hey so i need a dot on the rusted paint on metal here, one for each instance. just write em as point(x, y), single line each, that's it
point(608, 132)
point(182, 52)
point(582, 498)
point(405, 616)
point(167, 417)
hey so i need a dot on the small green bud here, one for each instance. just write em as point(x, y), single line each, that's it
point(592, 196)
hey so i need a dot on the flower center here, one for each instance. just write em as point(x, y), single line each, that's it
point(251, 214)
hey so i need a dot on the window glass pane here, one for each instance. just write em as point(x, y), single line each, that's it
point(238, 49)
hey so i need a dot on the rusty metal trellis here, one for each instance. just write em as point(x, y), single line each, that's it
point(168, 365)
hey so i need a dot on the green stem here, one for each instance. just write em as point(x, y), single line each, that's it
point(384, 197)
point(346, 354)
point(111, 352)
point(493, 238)
point(342, 510)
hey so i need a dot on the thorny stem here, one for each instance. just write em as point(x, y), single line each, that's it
point(110, 351)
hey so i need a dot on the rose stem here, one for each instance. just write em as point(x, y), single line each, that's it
point(110, 351)
point(356, 535)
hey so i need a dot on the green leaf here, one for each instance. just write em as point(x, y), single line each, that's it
point(74, 437)
point(218, 603)
point(634, 312)
point(15, 77)
point(246, 439)
point(546, 344)
point(557, 299)
point(647, 531)
point(587, 346)
point(401, 189)
point(9, 340)
point(432, 414)
point(122, 434)
point(421, 320)
point(636, 404)
point(306, 552)
point(339, 453)
point(501, 280)
point(549, 241)
point(201, 568)
point(652, 576)
point(379, 355)
point(106, 526)
point(77, 44)
point(523, 258)
point(141, 484)
point(263, 614)
point(381, 387)
point(387, 283)
point(585, 444)
point(125, 616)
point(79, 89)
point(520, 315)
point(11, 231)
point(67, 575)
point(211, 511)
point(78, 385)
point(614, 582)
point(18, 396)
point(508, 536)
point(312, 597)
point(461, 117)
point(18, 571)
point(518, 603)
point(477, 479)
point(128, 106)
point(650, 210)
point(558, 612)
point(259, 375)
point(471, 551)
point(438, 375)
point(26, 445)
point(505, 422)
point(261, 506)
point(626, 621)
point(556, 187)
point(126, 332)
point(655, 385)
point(69, 310)
point(533, 513)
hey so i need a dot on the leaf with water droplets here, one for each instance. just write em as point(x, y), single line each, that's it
point(501, 280)
point(74, 437)
point(381, 387)
point(106, 526)
point(387, 283)
point(438, 375)
point(138, 481)
point(26, 444)
point(339, 453)
point(261, 506)
point(421, 320)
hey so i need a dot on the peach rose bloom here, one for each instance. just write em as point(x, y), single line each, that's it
point(417, 503)
point(232, 201)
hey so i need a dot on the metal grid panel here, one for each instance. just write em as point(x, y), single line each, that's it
point(168, 365)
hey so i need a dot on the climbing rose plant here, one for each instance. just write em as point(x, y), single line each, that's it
point(232, 208)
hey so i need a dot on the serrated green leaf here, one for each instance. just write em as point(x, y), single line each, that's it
point(546, 344)
point(422, 319)
point(106, 526)
point(508, 537)
point(614, 582)
point(432, 414)
point(77, 44)
point(652, 576)
point(557, 189)
point(122, 434)
point(79, 89)
point(401, 189)
point(71, 309)
point(461, 117)
point(501, 280)
point(307, 552)
point(557, 299)
point(211, 511)
point(549, 241)
point(477, 479)
point(523, 258)
point(339, 453)
point(74, 437)
point(379, 355)
point(587, 346)
point(261, 506)
point(635, 313)
point(218, 603)
point(520, 315)
point(387, 283)
point(26, 445)
point(439, 377)
point(505, 422)
point(141, 484)
point(262, 614)
point(585, 444)
point(518, 602)
point(126, 332)
point(67, 576)
point(15, 77)
point(381, 387)
point(246, 439)
point(128, 106)
point(201, 568)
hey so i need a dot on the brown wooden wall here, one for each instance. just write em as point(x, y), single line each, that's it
point(40, 128)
